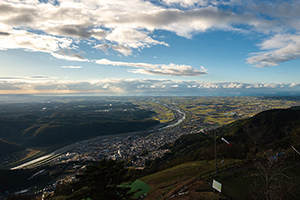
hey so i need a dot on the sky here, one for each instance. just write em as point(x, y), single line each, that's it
point(150, 47)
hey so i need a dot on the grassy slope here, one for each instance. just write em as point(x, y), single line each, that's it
point(180, 173)
point(269, 128)
point(139, 187)
point(237, 182)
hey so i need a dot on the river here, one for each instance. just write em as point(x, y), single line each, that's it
point(71, 146)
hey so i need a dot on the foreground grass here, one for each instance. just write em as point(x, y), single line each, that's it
point(208, 196)
point(140, 188)
point(240, 184)
point(239, 181)
point(180, 173)
point(236, 185)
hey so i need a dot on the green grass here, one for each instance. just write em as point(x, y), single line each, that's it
point(208, 196)
point(180, 173)
point(236, 185)
point(172, 175)
point(140, 188)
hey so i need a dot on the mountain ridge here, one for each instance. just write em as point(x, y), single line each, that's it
point(276, 129)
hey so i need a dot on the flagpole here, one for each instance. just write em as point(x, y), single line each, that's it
point(215, 155)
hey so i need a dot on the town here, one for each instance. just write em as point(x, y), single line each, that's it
point(192, 115)
point(137, 149)
point(180, 116)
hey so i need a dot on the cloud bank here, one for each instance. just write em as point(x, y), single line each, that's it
point(145, 87)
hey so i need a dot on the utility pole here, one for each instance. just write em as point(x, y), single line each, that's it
point(215, 154)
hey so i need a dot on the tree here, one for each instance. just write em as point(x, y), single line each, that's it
point(102, 182)
point(274, 181)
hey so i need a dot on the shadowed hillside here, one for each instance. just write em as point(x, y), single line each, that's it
point(48, 124)
point(274, 130)
point(7, 147)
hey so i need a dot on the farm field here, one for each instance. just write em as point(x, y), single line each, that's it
point(219, 111)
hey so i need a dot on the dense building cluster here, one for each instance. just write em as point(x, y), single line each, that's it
point(136, 148)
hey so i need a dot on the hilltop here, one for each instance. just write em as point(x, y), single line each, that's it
point(274, 130)
point(254, 141)
point(191, 157)
point(188, 169)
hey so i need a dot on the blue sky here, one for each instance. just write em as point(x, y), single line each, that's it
point(140, 47)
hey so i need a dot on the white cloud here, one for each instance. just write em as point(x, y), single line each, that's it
point(171, 70)
point(10, 77)
point(120, 24)
point(117, 63)
point(294, 85)
point(187, 3)
point(280, 48)
point(72, 19)
point(35, 77)
point(156, 69)
point(200, 3)
point(8, 86)
point(71, 67)
point(40, 77)
point(67, 54)
point(132, 38)
point(126, 26)
point(21, 39)
point(119, 48)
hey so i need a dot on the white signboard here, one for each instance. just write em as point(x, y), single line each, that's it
point(217, 186)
